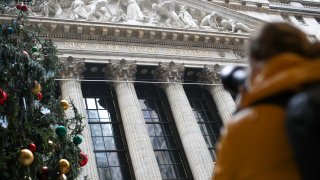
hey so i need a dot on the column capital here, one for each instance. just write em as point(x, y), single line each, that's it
point(211, 75)
point(121, 71)
point(169, 72)
point(72, 68)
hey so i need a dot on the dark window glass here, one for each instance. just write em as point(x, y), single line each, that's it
point(160, 126)
point(318, 20)
point(206, 114)
point(300, 20)
point(111, 154)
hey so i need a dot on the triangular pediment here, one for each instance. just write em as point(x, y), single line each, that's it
point(181, 14)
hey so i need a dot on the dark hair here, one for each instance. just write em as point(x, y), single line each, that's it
point(277, 38)
point(315, 50)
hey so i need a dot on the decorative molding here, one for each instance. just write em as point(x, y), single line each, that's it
point(121, 71)
point(241, 55)
point(211, 75)
point(72, 68)
point(55, 29)
point(169, 72)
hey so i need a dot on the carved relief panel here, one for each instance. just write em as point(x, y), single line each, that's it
point(164, 13)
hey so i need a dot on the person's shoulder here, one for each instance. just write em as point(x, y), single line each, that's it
point(241, 119)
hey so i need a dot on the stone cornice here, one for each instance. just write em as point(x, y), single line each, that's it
point(271, 8)
point(70, 29)
point(240, 7)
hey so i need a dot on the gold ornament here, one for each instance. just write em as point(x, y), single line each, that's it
point(64, 104)
point(64, 166)
point(37, 88)
point(62, 177)
point(26, 157)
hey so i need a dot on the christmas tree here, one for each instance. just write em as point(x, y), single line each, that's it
point(37, 141)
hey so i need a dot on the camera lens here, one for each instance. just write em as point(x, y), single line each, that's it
point(233, 77)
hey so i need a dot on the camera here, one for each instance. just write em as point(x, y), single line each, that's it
point(233, 77)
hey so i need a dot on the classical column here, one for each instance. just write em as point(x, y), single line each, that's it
point(71, 90)
point(140, 148)
point(193, 142)
point(224, 101)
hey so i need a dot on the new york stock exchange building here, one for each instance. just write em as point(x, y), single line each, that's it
point(146, 75)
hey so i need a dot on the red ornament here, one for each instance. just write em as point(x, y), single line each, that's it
point(43, 173)
point(18, 6)
point(24, 8)
point(39, 96)
point(3, 97)
point(45, 170)
point(84, 158)
point(32, 147)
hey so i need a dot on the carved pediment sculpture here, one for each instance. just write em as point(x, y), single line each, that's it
point(215, 21)
point(164, 13)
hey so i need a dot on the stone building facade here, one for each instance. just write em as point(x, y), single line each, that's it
point(145, 74)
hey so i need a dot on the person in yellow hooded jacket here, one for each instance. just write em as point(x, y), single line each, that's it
point(254, 144)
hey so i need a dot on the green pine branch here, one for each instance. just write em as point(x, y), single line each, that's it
point(25, 61)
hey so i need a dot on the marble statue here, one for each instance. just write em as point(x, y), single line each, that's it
point(137, 12)
point(217, 22)
point(48, 7)
point(186, 18)
point(234, 26)
point(211, 21)
point(77, 10)
point(133, 10)
point(120, 16)
point(99, 10)
point(167, 10)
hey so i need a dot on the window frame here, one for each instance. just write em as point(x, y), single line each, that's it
point(105, 92)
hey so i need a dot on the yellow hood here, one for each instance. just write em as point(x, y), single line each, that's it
point(282, 73)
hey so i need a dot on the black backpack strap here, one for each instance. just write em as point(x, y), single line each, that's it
point(302, 126)
point(303, 130)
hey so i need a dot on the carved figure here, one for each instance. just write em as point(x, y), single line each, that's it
point(211, 22)
point(120, 16)
point(133, 10)
point(77, 10)
point(234, 26)
point(99, 10)
point(51, 7)
point(167, 10)
point(186, 18)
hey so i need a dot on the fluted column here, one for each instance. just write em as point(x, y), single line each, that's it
point(71, 90)
point(140, 148)
point(193, 142)
point(223, 99)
